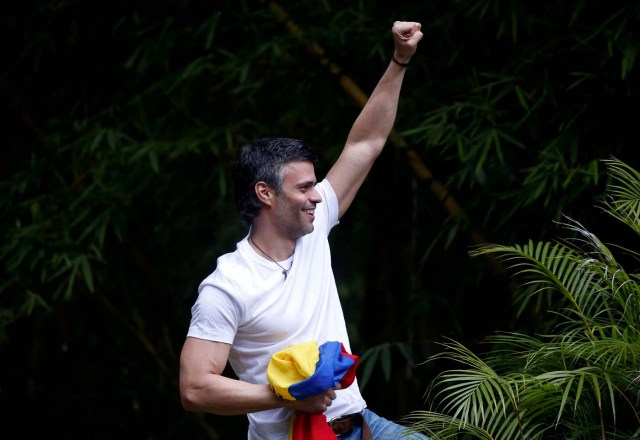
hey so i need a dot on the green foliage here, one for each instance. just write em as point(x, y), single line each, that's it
point(383, 354)
point(581, 380)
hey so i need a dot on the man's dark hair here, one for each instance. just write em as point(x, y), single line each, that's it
point(264, 160)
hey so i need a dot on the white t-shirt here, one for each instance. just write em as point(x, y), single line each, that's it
point(248, 303)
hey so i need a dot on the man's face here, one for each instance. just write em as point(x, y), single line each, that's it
point(295, 208)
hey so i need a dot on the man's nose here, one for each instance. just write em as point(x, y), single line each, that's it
point(315, 196)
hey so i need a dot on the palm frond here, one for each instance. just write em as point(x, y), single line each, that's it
point(625, 194)
point(578, 380)
point(552, 266)
point(438, 426)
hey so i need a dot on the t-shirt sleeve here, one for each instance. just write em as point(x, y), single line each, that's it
point(329, 203)
point(214, 316)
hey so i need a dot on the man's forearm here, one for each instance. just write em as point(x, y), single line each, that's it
point(226, 396)
point(374, 123)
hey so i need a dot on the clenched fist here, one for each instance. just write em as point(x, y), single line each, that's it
point(406, 35)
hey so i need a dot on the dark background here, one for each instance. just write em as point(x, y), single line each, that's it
point(122, 120)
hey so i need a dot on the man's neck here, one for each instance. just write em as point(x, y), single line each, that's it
point(271, 244)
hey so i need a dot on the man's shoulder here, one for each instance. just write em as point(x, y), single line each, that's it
point(228, 267)
point(329, 203)
point(325, 187)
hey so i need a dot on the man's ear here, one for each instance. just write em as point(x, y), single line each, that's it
point(265, 193)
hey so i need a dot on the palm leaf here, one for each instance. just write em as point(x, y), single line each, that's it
point(625, 192)
point(579, 380)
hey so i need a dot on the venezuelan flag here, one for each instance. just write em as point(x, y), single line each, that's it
point(307, 369)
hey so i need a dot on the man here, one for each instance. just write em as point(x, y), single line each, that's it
point(277, 288)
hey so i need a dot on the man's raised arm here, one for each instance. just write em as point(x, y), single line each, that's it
point(369, 132)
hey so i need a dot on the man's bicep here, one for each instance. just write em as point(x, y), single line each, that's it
point(349, 172)
point(200, 356)
point(201, 380)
